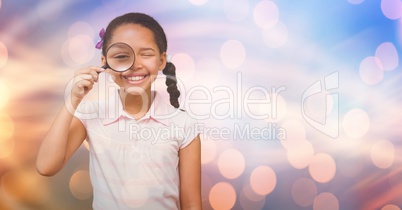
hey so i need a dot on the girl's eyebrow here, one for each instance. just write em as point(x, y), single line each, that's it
point(146, 48)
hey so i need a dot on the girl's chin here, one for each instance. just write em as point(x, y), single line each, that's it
point(134, 89)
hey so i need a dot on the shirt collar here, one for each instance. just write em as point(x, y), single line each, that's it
point(159, 111)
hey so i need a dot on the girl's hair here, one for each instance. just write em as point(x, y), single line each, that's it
point(160, 39)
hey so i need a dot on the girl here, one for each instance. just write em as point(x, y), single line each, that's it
point(129, 168)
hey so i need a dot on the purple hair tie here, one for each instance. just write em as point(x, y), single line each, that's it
point(101, 35)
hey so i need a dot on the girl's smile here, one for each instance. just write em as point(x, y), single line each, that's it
point(136, 78)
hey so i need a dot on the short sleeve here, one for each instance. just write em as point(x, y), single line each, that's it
point(85, 111)
point(190, 129)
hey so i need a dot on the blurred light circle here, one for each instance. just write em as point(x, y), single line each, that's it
point(388, 56)
point(81, 49)
point(250, 204)
point(304, 192)
point(78, 50)
point(25, 187)
point(263, 180)
point(231, 163)
point(80, 185)
point(65, 54)
point(355, 1)
point(237, 11)
point(3, 54)
point(295, 131)
point(6, 127)
point(390, 207)
point(208, 151)
point(326, 201)
point(275, 37)
point(250, 194)
point(198, 2)
point(322, 168)
point(185, 66)
point(6, 147)
point(50, 10)
point(356, 123)
point(222, 196)
point(371, 70)
point(81, 28)
point(233, 54)
point(266, 14)
point(392, 9)
point(382, 154)
point(300, 153)
point(4, 93)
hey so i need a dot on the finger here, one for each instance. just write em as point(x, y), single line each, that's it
point(84, 83)
point(82, 71)
point(88, 77)
point(95, 75)
point(84, 86)
point(90, 87)
point(97, 69)
point(87, 70)
point(79, 79)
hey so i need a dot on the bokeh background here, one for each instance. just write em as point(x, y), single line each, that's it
point(268, 51)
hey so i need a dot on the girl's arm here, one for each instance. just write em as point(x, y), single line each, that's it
point(190, 175)
point(66, 133)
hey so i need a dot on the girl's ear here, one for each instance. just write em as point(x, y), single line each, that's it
point(162, 61)
point(103, 60)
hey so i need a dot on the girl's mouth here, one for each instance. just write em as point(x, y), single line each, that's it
point(134, 79)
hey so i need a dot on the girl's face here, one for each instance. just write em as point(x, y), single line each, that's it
point(148, 59)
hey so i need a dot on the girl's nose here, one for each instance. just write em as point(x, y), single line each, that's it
point(137, 63)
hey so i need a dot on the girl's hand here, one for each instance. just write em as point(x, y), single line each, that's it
point(84, 79)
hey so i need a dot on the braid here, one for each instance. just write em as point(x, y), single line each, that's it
point(171, 83)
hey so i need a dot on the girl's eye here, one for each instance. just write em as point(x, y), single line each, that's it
point(146, 54)
point(121, 56)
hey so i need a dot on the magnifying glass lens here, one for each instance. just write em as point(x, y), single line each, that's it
point(120, 57)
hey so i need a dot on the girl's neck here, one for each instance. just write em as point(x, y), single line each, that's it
point(136, 105)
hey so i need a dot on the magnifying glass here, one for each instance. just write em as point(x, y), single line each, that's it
point(120, 57)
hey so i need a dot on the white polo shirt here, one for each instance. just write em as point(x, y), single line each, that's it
point(134, 164)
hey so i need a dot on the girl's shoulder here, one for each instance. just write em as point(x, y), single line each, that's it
point(87, 109)
point(182, 117)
